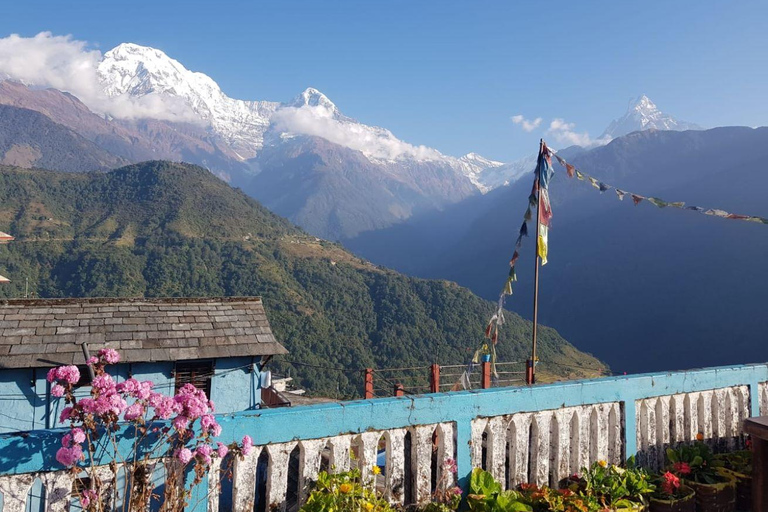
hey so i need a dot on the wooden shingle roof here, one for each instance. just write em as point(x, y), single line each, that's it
point(48, 332)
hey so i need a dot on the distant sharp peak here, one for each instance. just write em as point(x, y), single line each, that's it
point(479, 160)
point(311, 97)
point(643, 114)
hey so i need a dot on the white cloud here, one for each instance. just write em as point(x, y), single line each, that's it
point(63, 63)
point(526, 124)
point(376, 143)
point(565, 133)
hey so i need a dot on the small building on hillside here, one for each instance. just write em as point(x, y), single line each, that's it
point(218, 344)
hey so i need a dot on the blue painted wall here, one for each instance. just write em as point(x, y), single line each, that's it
point(35, 451)
point(26, 403)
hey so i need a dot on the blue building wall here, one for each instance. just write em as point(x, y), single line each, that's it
point(26, 403)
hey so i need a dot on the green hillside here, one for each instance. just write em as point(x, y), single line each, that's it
point(165, 229)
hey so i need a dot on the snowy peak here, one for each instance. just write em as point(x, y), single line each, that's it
point(474, 159)
point(131, 70)
point(643, 114)
point(311, 97)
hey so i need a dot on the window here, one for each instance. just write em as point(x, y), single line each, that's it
point(197, 373)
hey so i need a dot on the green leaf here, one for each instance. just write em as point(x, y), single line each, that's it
point(672, 455)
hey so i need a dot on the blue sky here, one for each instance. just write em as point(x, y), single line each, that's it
point(451, 74)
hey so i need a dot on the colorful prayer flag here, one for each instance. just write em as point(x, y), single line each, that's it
point(515, 256)
point(508, 287)
point(603, 187)
point(569, 169)
point(677, 204)
point(528, 214)
point(543, 244)
point(657, 202)
point(544, 169)
point(545, 213)
point(512, 274)
point(593, 181)
point(579, 176)
point(621, 194)
point(636, 199)
point(524, 229)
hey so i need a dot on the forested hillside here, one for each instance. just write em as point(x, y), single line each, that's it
point(164, 229)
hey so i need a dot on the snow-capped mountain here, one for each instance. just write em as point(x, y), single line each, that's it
point(130, 69)
point(488, 174)
point(643, 114)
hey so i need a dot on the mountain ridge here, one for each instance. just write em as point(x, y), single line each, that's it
point(167, 229)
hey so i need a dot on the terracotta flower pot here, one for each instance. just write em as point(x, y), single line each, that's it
point(684, 504)
point(719, 497)
point(743, 489)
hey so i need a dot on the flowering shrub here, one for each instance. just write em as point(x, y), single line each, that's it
point(617, 487)
point(695, 463)
point(485, 495)
point(344, 492)
point(95, 423)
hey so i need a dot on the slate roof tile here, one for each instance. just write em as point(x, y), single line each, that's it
point(48, 332)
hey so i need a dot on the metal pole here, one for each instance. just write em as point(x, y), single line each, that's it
point(87, 355)
point(531, 370)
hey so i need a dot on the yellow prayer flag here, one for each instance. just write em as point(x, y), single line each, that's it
point(542, 243)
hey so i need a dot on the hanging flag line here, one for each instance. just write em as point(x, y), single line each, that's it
point(572, 171)
point(538, 199)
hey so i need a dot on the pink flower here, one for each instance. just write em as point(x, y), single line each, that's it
point(450, 465)
point(69, 374)
point(104, 384)
point(222, 450)
point(180, 422)
point(66, 441)
point(164, 406)
point(683, 468)
point(455, 490)
point(57, 390)
point(109, 355)
point(87, 497)
point(670, 484)
point(184, 455)
point(66, 414)
point(78, 435)
point(69, 456)
point(208, 424)
point(134, 411)
point(92, 360)
point(247, 444)
point(204, 452)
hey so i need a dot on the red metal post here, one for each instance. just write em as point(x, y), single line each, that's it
point(434, 378)
point(486, 382)
point(368, 383)
point(399, 390)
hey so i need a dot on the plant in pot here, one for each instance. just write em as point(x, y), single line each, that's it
point(738, 465)
point(696, 465)
point(672, 495)
point(617, 488)
point(546, 499)
point(344, 492)
point(485, 495)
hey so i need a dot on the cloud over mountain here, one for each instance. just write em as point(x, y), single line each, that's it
point(66, 64)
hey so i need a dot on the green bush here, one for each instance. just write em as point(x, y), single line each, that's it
point(344, 492)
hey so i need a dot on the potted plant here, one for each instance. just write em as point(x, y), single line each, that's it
point(618, 488)
point(696, 465)
point(738, 465)
point(485, 495)
point(344, 492)
point(546, 499)
point(672, 495)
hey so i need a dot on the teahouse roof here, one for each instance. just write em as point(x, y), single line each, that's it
point(49, 332)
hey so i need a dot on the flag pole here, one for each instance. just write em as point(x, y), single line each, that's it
point(530, 373)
